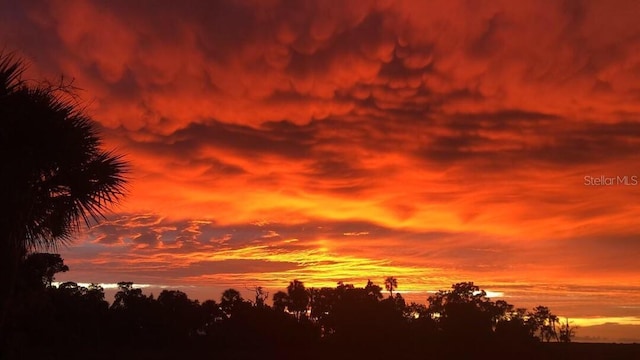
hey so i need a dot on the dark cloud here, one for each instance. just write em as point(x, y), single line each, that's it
point(283, 140)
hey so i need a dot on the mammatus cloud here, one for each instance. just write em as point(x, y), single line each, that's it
point(439, 141)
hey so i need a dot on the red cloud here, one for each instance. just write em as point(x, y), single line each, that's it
point(462, 130)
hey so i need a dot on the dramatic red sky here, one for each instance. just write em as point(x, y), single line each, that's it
point(436, 142)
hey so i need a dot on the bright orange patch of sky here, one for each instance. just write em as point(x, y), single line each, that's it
point(433, 141)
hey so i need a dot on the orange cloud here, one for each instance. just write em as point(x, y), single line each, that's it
point(436, 142)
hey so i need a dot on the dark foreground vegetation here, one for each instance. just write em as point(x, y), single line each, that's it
point(346, 322)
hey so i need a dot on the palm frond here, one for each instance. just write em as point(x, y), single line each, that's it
point(58, 175)
point(11, 71)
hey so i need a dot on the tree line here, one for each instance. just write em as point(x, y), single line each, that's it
point(460, 320)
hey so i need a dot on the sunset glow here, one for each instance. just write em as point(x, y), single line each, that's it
point(436, 142)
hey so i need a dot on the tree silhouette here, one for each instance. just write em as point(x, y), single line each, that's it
point(128, 297)
point(322, 302)
point(298, 298)
point(374, 290)
point(544, 323)
point(211, 314)
point(95, 292)
point(71, 288)
point(230, 301)
point(55, 174)
point(260, 296)
point(280, 301)
point(566, 332)
point(181, 316)
point(464, 313)
point(415, 311)
point(39, 269)
point(390, 283)
point(397, 303)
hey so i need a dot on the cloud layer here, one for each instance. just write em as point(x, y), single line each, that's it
point(436, 142)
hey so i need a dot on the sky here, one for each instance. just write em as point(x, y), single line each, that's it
point(436, 142)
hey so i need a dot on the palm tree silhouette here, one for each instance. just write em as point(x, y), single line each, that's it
point(390, 283)
point(55, 175)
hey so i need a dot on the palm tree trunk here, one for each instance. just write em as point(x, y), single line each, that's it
point(9, 261)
